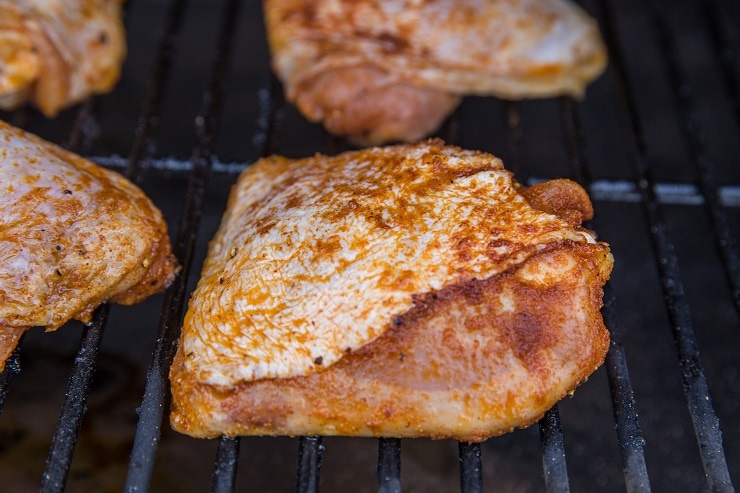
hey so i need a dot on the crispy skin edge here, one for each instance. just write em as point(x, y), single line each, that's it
point(158, 277)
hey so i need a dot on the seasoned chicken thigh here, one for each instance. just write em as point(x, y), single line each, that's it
point(403, 291)
point(55, 53)
point(72, 236)
point(385, 70)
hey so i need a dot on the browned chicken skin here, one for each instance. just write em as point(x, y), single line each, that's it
point(72, 236)
point(405, 291)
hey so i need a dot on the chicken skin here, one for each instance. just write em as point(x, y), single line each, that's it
point(393, 70)
point(55, 53)
point(72, 236)
point(403, 291)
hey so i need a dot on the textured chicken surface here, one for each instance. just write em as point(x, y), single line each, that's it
point(72, 236)
point(55, 53)
point(411, 290)
point(386, 70)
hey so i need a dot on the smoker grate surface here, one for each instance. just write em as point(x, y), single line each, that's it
point(666, 194)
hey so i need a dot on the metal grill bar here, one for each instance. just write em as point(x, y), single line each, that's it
point(269, 120)
point(227, 458)
point(706, 424)
point(389, 465)
point(471, 467)
point(73, 408)
point(12, 367)
point(310, 452)
point(629, 434)
point(553, 452)
point(156, 391)
point(683, 92)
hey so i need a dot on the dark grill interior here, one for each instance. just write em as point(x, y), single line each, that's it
point(655, 141)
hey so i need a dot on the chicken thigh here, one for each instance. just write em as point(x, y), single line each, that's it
point(72, 236)
point(407, 291)
point(392, 70)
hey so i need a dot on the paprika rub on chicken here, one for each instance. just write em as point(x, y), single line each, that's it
point(72, 236)
point(405, 291)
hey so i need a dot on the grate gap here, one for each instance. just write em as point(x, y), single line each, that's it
point(22, 117)
point(84, 129)
point(389, 465)
point(450, 128)
point(515, 136)
point(706, 424)
point(73, 408)
point(156, 390)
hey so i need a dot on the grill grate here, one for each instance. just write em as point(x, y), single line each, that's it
point(655, 193)
point(705, 421)
point(152, 409)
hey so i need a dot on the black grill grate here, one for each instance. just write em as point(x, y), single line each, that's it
point(153, 405)
point(513, 131)
point(702, 413)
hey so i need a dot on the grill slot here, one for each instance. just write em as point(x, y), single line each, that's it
point(275, 125)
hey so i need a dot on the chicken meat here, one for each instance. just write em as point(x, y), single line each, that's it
point(72, 236)
point(393, 70)
point(55, 53)
point(411, 290)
